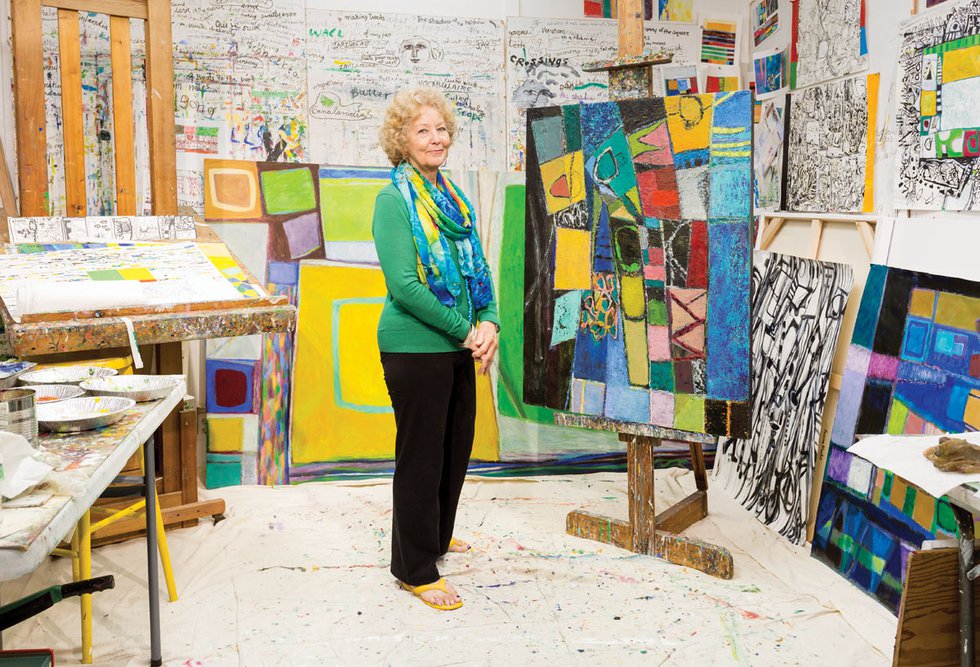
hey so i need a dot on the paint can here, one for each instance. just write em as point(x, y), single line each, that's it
point(18, 414)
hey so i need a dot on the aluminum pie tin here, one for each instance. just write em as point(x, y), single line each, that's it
point(65, 374)
point(140, 388)
point(82, 414)
point(52, 393)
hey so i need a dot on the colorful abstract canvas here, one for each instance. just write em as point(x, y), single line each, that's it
point(719, 41)
point(341, 410)
point(765, 20)
point(680, 80)
point(720, 79)
point(770, 73)
point(797, 308)
point(347, 197)
point(656, 10)
point(638, 261)
point(830, 151)
point(913, 367)
point(939, 111)
point(829, 40)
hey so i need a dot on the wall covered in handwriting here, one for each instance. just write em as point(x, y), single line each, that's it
point(545, 59)
point(939, 111)
point(357, 60)
point(797, 308)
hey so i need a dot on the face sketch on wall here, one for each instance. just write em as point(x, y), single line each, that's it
point(541, 86)
point(420, 50)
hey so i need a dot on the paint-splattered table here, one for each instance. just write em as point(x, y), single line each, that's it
point(85, 464)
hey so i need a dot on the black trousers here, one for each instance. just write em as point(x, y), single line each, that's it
point(434, 399)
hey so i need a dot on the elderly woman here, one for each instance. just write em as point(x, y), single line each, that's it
point(440, 315)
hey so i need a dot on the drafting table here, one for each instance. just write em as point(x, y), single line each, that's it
point(95, 458)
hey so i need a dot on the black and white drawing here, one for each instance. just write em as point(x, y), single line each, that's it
point(826, 150)
point(797, 308)
point(938, 112)
point(829, 39)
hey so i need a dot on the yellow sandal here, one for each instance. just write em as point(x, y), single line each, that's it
point(434, 586)
point(453, 542)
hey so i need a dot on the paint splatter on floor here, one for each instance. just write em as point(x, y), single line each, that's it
point(299, 575)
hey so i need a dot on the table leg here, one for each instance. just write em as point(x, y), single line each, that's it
point(152, 572)
point(85, 572)
point(964, 521)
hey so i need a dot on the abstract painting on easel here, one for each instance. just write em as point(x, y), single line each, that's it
point(637, 272)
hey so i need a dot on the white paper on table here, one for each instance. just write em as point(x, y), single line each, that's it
point(20, 470)
point(903, 455)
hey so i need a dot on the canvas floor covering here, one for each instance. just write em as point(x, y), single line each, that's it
point(298, 576)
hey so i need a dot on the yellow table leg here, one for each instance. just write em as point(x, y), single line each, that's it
point(85, 572)
point(74, 553)
point(168, 571)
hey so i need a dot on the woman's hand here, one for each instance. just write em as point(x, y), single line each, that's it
point(485, 345)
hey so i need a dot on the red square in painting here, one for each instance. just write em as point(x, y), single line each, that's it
point(975, 366)
point(658, 193)
point(232, 386)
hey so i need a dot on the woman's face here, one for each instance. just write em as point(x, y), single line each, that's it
point(428, 140)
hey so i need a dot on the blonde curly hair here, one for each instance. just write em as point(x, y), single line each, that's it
point(405, 107)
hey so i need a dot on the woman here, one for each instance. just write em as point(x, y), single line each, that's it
point(439, 315)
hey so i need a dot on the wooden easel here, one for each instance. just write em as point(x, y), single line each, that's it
point(54, 334)
point(630, 77)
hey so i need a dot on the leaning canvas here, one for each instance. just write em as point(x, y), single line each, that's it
point(913, 367)
point(638, 260)
point(938, 112)
point(797, 308)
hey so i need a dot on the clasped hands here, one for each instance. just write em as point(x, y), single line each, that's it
point(482, 341)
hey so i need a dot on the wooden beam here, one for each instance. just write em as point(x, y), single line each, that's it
point(681, 516)
point(836, 380)
point(8, 202)
point(599, 529)
point(867, 235)
point(642, 514)
point(816, 235)
point(72, 117)
point(32, 159)
point(769, 231)
point(123, 133)
point(188, 458)
point(129, 8)
point(160, 108)
point(169, 361)
point(630, 27)
point(708, 558)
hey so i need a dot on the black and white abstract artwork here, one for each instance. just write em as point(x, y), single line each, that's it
point(797, 308)
point(939, 111)
point(827, 164)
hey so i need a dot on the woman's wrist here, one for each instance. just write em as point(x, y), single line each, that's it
point(469, 337)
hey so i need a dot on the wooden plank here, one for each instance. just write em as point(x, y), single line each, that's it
point(188, 459)
point(8, 202)
point(131, 8)
point(642, 514)
point(169, 361)
point(32, 163)
point(72, 118)
point(160, 108)
point(630, 27)
point(700, 470)
point(816, 235)
point(769, 232)
point(75, 335)
point(599, 529)
point(123, 132)
point(867, 235)
point(679, 517)
point(173, 517)
point(836, 380)
point(135, 311)
point(928, 620)
point(708, 558)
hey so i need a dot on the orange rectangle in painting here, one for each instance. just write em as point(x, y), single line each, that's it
point(231, 190)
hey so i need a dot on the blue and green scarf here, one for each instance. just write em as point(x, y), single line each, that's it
point(439, 214)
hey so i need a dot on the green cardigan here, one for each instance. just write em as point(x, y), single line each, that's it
point(413, 319)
